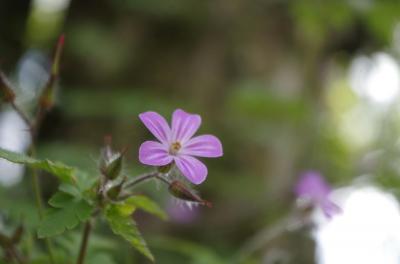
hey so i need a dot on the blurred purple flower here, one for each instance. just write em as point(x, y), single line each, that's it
point(180, 213)
point(314, 189)
point(178, 145)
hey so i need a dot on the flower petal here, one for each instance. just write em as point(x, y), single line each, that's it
point(154, 153)
point(330, 209)
point(157, 125)
point(184, 125)
point(203, 146)
point(193, 169)
point(312, 185)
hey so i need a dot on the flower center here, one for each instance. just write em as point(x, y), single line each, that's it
point(174, 148)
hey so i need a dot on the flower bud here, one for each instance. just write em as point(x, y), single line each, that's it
point(181, 191)
point(114, 191)
point(110, 162)
point(113, 169)
point(6, 93)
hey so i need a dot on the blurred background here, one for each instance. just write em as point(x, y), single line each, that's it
point(287, 86)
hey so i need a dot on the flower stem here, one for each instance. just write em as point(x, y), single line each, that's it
point(143, 177)
point(84, 244)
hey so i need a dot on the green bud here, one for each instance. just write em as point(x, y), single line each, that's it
point(113, 169)
point(114, 192)
point(110, 161)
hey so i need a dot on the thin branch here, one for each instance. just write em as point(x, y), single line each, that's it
point(22, 114)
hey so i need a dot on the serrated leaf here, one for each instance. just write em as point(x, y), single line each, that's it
point(68, 211)
point(147, 205)
point(59, 199)
point(70, 189)
point(121, 223)
point(83, 188)
point(63, 172)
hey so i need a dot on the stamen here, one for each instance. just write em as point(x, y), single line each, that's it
point(174, 148)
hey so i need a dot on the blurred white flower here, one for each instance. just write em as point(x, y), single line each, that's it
point(367, 231)
point(13, 136)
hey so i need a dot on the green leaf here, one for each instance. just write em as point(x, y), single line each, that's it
point(147, 205)
point(82, 188)
point(68, 211)
point(121, 223)
point(63, 172)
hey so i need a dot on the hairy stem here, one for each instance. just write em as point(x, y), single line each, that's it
point(84, 244)
point(142, 178)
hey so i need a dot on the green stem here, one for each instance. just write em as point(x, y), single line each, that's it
point(84, 244)
point(36, 186)
point(141, 178)
point(38, 198)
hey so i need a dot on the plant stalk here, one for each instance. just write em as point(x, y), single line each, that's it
point(142, 178)
point(84, 244)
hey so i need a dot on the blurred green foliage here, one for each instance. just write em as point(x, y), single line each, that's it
point(258, 72)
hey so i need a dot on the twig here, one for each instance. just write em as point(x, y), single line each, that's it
point(21, 113)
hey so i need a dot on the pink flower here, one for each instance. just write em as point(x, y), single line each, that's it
point(313, 187)
point(177, 144)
